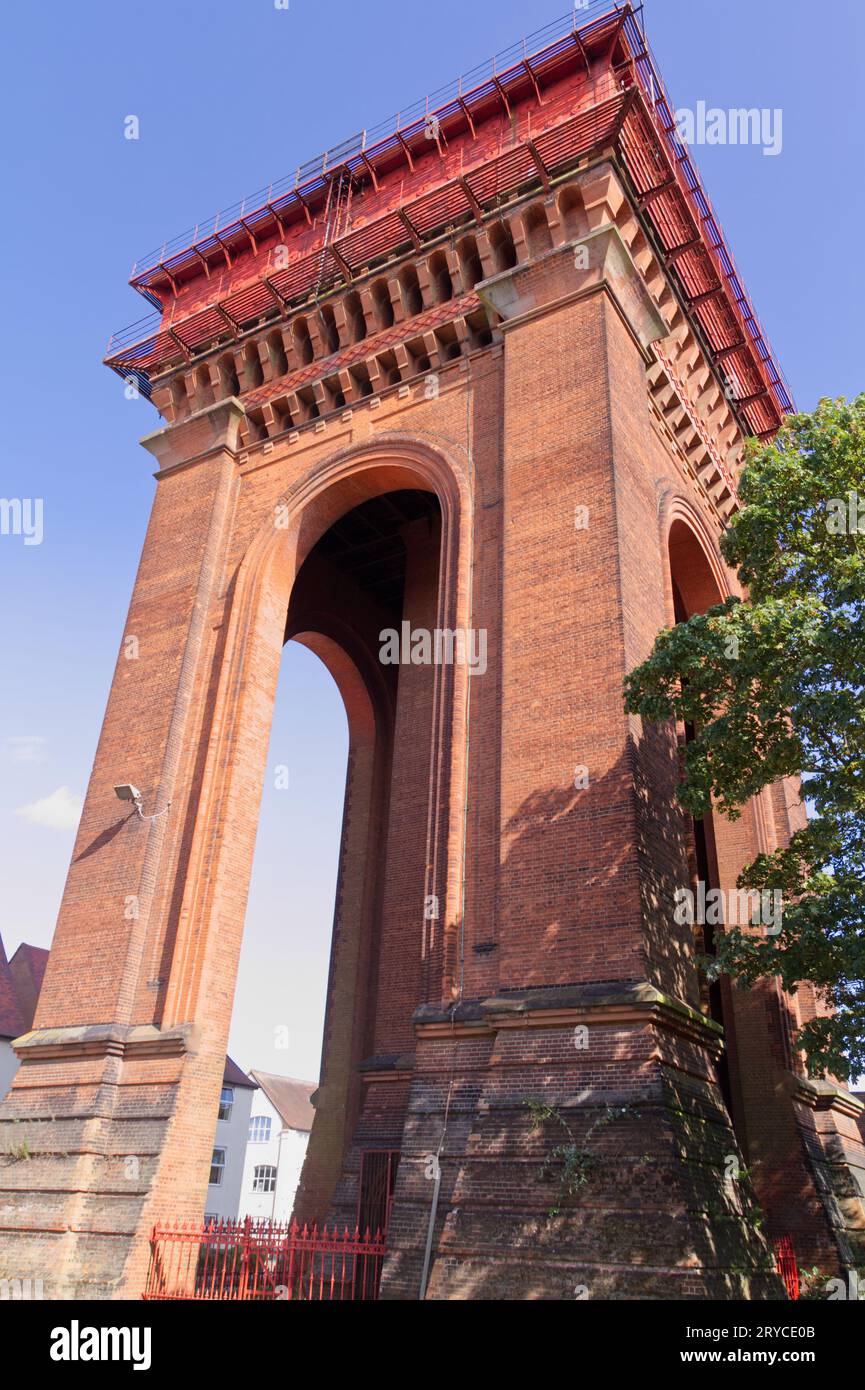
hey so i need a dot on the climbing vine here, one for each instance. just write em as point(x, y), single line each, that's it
point(574, 1161)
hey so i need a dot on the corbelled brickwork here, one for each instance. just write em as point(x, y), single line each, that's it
point(519, 395)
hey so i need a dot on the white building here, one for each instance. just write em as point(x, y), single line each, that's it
point(229, 1144)
point(279, 1127)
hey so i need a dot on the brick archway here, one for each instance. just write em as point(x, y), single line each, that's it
point(260, 619)
point(249, 664)
point(141, 1034)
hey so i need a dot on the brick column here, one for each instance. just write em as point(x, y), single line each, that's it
point(595, 1007)
point(94, 1098)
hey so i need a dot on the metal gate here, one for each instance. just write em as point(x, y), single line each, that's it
point(375, 1191)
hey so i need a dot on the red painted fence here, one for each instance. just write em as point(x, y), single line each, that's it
point(241, 1260)
point(261, 1260)
point(785, 1264)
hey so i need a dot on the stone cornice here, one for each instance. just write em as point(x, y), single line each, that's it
point(824, 1095)
point(566, 1006)
point(103, 1040)
point(388, 1067)
point(588, 211)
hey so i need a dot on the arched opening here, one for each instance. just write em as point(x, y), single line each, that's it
point(276, 352)
point(440, 278)
point(696, 587)
point(470, 262)
point(203, 386)
point(389, 368)
point(333, 393)
point(359, 852)
point(383, 306)
point(572, 212)
point(229, 382)
point(410, 290)
point(329, 329)
point(537, 228)
point(502, 243)
point(302, 341)
point(355, 318)
point(279, 1000)
point(179, 397)
point(252, 366)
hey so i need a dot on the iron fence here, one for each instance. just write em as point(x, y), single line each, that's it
point(785, 1263)
point(263, 1260)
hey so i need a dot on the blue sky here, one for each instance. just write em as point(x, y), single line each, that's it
point(231, 94)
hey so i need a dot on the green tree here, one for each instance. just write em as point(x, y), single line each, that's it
point(773, 686)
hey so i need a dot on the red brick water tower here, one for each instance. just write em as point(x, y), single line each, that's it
point(485, 371)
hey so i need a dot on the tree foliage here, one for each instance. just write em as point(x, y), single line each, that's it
point(773, 686)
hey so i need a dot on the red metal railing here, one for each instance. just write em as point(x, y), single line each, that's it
point(635, 115)
point(356, 153)
point(259, 1260)
point(785, 1264)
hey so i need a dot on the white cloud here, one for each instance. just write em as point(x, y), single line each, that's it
point(26, 748)
point(59, 811)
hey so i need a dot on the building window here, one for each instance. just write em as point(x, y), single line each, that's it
point(259, 1129)
point(226, 1101)
point(264, 1178)
point(217, 1167)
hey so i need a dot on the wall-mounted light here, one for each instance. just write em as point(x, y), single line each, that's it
point(125, 791)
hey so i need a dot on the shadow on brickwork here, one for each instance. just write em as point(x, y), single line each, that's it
point(661, 1206)
point(619, 854)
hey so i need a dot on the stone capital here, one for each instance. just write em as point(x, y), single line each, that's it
point(598, 261)
point(206, 432)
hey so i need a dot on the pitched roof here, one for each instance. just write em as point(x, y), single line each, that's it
point(27, 968)
point(11, 1017)
point(234, 1076)
point(290, 1097)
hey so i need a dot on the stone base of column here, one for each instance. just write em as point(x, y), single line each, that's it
point(831, 1221)
point(81, 1134)
point(656, 1211)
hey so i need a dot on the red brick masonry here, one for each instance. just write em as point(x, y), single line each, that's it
point(504, 930)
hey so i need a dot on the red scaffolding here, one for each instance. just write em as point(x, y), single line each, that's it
point(625, 108)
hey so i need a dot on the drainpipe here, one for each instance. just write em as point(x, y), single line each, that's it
point(429, 1235)
point(276, 1179)
point(437, 1181)
point(434, 1205)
